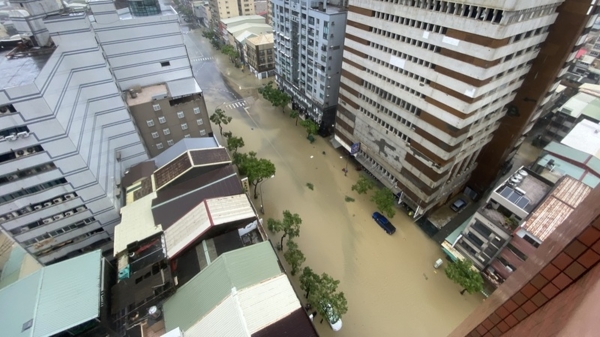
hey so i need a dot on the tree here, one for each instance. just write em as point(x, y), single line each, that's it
point(308, 280)
point(363, 185)
point(290, 226)
point(230, 51)
point(233, 143)
point(462, 273)
point(326, 300)
point(310, 126)
point(295, 114)
point(278, 98)
point(256, 169)
point(219, 118)
point(294, 256)
point(384, 199)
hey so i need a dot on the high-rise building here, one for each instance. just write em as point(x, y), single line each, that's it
point(66, 135)
point(309, 39)
point(225, 9)
point(424, 84)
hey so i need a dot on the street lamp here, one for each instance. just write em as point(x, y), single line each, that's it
point(346, 169)
point(262, 208)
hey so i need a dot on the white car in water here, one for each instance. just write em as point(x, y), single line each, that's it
point(332, 317)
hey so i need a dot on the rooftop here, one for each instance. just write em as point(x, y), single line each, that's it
point(567, 195)
point(243, 18)
point(261, 39)
point(582, 104)
point(585, 137)
point(137, 172)
point(239, 269)
point(23, 68)
point(183, 87)
point(254, 27)
point(562, 167)
point(207, 214)
point(524, 189)
point(53, 299)
point(183, 145)
point(137, 223)
point(148, 94)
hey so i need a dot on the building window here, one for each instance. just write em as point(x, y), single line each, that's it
point(165, 64)
point(166, 131)
point(180, 114)
point(162, 120)
point(159, 146)
point(202, 132)
point(187, 136)
point(156, 107)
point(196, 110)
point(150, 122)
point(531, 241)
point(184, 126)
point(154, 134)
point(199, 121)
point(170, 142)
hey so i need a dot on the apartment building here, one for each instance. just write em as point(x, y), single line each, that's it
point(260, 56)
point(167, 113)
point(308, 42)
point(66, 135)
point(225, 9)
point(425, 83)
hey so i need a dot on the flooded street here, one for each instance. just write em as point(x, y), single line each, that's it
point(389, 281)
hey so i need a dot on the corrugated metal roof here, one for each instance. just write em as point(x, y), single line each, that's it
point(553, 210)
point(240, 268)
point(13, 264)
point(183, 87)
point(55, 298)
point(224, 320)
point(229, 209)
point(567, 152)
point(184, 145)
point(137, 223)
point(70, 294)
point(585, 137)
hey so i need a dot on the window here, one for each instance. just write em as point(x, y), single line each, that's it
point(196, 110)
point(170, 142)
point(154, 134)
point(166, 131)
point(202, 132)
point(159, 146)
point(187, 136)
point(162, 120)
point(156, 107)
point(199, 121)
point(150, 122)
point(531, 241)
point(165, 64)
point(180, 114)
point(184, 126)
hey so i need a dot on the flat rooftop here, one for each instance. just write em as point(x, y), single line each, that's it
point(147, 94)
point(331, 9)
point(585, 137)
point(534, 187)
point(23, 70)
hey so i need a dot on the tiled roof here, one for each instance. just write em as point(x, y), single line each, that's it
point(209, 156)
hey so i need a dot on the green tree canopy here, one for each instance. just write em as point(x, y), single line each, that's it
point(278, 98)
point(308, 280)
point(363, 185)
point(462, 273)
point(384, 199)
point(219, 118)
point(325, 293)
point(295, 114)
point(290, 226)
point(294, 256)
point(233, 143)
point(310, 126)
point(256, 169)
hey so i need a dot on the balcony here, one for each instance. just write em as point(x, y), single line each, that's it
point(507, 224)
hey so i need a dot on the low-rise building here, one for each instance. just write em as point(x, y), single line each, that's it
point(259, 55)
point(169, 112)
point(224, 24)
point(202, 13)
point(506, 208)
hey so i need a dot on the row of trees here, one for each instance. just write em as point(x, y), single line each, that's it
point(320, 289)
point(383, 197)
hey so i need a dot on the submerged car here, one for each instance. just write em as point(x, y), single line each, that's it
point(333, 318)
point(384, 223)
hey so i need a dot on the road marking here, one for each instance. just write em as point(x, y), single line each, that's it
point(201, 59)
point(235, 105)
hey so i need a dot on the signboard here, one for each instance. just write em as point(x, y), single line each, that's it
point(354, 148)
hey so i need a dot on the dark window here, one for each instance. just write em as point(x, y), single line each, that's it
point(165, 64)
point(531, 241)
point(474, 239)
point(482, 229)
point(516, 252)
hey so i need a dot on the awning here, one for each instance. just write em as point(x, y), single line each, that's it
point(335, 143)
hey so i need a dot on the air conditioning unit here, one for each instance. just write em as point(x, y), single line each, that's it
point(70, 196)
point(118, 156)
point(20, 153)
point(57, 200)
point(2, 219)
point(30, 150)
point(58, 217)
point(69, 213)
point(24, 229)
point(11, 138)
point(23, 134)
point(47, 204)
point(26, 210)
point(80, 209)
point(37, 207)
point(47, 220)
point(13, 177)
point(9, 216)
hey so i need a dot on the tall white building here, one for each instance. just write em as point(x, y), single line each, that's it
point(66, 136)
point(425, 84)
point(309, 38)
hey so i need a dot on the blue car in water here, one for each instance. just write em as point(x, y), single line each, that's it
point(384, 223)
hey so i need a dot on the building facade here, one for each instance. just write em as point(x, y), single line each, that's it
point(260, 56)
point(225, 9)
point(165, 115)
point(308, 46)
point(425, 83)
